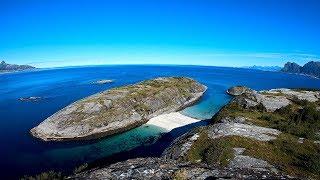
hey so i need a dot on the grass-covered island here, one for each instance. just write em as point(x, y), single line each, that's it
point(270, 134)
point(119, 109)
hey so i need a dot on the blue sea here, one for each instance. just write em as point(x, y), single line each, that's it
point(21, 154)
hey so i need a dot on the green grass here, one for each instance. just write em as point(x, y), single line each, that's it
point(285, 153)
point(300, 119)
point(210, 151)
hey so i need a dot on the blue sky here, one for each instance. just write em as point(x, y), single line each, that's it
point(50, 33)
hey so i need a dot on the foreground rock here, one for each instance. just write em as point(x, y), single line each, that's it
point(119, 109)
point(159, 168)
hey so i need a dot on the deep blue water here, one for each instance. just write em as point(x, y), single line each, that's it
point(21, 154)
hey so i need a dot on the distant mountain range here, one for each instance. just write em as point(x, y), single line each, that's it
point(4, 67)
point(264, 68)
point(312, 68)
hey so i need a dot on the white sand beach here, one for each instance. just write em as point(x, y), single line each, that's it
point(171, 121)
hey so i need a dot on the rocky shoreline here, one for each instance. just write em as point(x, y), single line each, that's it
point(271, 134)
point(119, 109)
point(244, 141)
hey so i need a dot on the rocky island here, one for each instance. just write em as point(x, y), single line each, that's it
point(119, 109)
point(270, 134)
point(102, 81)
point(31, 98)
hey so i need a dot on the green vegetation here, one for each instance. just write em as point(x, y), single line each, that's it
point(55, 175)
point(50, 175)
point(300, 119)
point(210, 151)
point(297, 159)
point(145, 98)
point(303, 121)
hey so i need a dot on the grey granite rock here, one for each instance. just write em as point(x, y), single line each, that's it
point(253, 98)
point(244, 130)
point(238, 90)
point(158, 169)
point(247, 162)
point(238, 119)
point(311, 96)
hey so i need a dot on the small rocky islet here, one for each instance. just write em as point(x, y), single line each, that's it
point(249, 138)
point(102, 81)
point(119, 109)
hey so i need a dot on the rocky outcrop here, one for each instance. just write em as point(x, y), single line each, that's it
point(250, 98)
point(238, 129)
point(311, 96)
point(4, 67)
point(159, 168)
point(271, 100)
point(237, 90)
point(119, 109)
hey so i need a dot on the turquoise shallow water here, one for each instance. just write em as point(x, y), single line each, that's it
point(118, 143)
point(22, 154)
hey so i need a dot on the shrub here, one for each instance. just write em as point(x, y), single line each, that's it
point(50, 175)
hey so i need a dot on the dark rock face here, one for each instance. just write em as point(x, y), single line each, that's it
point(13, 67)
point(291, 67)
point(312, 68)
point(119, 109)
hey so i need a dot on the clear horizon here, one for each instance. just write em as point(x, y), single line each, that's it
point(226, 33)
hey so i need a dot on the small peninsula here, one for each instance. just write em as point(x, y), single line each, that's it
point(4, 67)
point(119, 109)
